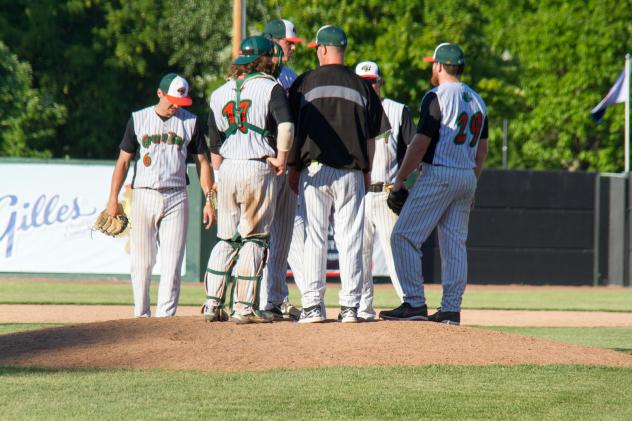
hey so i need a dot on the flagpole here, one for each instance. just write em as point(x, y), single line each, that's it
point(627, 113)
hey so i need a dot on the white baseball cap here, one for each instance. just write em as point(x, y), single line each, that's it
point(368, 70)
point(282, 29)
point(176, 88)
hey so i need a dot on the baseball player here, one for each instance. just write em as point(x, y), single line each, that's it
point(249, 115)
point(337, 115)
point(159, 138)
point(451, 140)
point(286, 235)
point(378, 218)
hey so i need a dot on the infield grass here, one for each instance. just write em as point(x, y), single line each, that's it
point(435, 392)
point(23, 327)
point(539, 298)
point(617, 339)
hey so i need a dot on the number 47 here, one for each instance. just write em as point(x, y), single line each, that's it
point(475, 125)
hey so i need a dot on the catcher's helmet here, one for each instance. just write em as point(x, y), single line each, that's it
point(252, 48)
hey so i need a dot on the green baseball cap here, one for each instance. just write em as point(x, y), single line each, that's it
point(252, 48)
point(282, 29)
point(447, 53)
point(329, 35)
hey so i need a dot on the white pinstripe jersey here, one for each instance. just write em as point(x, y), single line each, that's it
point(384, 167)
point(255, 99)
point(163, 148)
point(463, 115)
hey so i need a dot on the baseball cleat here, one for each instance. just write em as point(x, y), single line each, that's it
point(312, 315)
point(214, 314)
point(406, 312)
point(289, 311)
point(348, 315)
point(446, 317)
point(252, 317)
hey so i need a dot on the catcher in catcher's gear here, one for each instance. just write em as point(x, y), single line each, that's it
point(112, 225)
point(397, 199)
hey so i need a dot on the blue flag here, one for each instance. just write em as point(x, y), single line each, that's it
point(618, 93)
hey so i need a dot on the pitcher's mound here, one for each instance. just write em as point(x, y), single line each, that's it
point(188, 343)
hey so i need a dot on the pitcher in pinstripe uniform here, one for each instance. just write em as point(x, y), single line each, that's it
point(379, 220)
point(337, 116)
point(160, 137)
point(452, 141)
point(250, 131)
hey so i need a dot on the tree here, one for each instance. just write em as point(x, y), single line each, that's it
point(29, 121)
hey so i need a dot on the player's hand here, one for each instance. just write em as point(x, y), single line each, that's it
point(293, 178)
point(277, 164)
point(208, 216)
point(397, 185)
point(112, 208)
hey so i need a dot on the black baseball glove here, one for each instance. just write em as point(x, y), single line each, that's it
point(396, 200)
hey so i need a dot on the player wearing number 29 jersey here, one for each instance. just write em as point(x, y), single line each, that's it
point(451, 140)
point(455, 119)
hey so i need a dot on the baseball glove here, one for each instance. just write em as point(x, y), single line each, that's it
point(396, 200)
point(111, 226)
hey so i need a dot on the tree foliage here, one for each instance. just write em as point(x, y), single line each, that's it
point(540, 65)
point(29, 121)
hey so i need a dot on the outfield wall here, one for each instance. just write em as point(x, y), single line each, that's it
point(533, 227)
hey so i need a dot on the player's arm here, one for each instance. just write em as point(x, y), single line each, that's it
point(199, 151)
point(280, 111)
point(481, 152)
point(216, 140)
point(428, 127)
point(128, 147)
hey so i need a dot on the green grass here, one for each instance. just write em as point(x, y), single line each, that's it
point(68, 292)
point(618, 339)
point(436, 392)
point(23, 327)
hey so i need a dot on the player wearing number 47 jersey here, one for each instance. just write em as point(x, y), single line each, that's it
point(452, 141)
point(249, 117)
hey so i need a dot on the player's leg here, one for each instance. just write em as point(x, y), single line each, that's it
point(428, 200)
point(146, 207)
point(223, 255)
point(256, 199)
point(365, 310)
point(274, 291)
point(316, 199)
point(385, 219)
point(172, 237)
point(297, 248)
point(452, 230)
point(348, 190)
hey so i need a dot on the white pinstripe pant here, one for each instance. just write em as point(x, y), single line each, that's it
point(287, 240)
point(244, 202)
point(441, 197)
point(321, 189)
point(379, 220)
point(159, 217)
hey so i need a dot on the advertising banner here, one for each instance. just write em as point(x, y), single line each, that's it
point(47, 211)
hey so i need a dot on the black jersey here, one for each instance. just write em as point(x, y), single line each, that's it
point(335, 113)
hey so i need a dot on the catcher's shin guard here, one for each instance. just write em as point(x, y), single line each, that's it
point(228, 250)
point(253, 257)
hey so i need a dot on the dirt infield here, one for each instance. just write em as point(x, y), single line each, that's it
point(188, 343)
point(33, 313)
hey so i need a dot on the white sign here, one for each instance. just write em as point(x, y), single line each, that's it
point(46, 216)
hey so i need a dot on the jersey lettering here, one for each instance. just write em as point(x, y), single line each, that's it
point(475, 126)
point(229, 112)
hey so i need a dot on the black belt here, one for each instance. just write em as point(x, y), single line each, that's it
point(379, 187)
